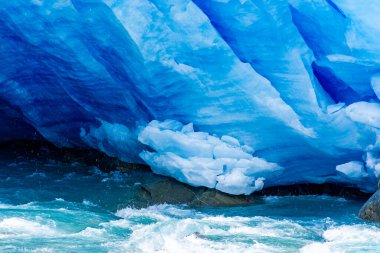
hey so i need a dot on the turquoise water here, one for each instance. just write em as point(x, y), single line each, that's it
point(55, 207)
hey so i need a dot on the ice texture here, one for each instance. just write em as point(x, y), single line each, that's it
point(354, 169)
point(229, 94)
point(200, 159)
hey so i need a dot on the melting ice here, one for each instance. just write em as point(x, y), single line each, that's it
point(295, 81)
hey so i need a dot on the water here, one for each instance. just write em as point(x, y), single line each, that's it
point(54, 207)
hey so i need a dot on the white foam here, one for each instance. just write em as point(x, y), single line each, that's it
point(88, 203)
point(317, 247)
point(16, 227)
point(29, 205)
point(122, 223)
point(159, 212)
point(187, 235)
point(91, 232)
point(184, 230)
point(362, 238)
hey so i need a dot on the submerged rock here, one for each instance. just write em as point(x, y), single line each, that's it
point(371, 209)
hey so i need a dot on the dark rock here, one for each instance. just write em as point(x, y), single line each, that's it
point(169, 191)
point(43, 150)
point(371, 209)
point(330, 189)
point(211, 197)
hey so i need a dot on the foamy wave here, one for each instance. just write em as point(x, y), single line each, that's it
point(318, 247)
point(363, 238)
point(188, 235)
point(122, 223)
point(175, 229)
point(16, 227)
point(158, 212)
point(30, 205)
point(88, 203)
point(91, 232)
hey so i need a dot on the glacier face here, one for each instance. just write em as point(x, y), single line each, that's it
point(232, 94)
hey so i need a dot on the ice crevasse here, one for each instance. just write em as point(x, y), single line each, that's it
point(235, 95)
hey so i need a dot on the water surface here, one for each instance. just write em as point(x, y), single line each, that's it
point(54, 207)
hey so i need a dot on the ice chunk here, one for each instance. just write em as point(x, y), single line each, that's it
point(200, 159)
point(365, 113)
point(230, 140)
point(170, 140)
point(224, 151)
point(373, 162)
point(236, 182)
point(189, 128)
point(196, 171)
point(353, 169)
point(167, 124)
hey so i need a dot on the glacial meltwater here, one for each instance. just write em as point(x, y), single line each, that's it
point(57, 207)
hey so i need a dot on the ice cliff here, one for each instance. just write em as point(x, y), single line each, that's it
point(230, 94)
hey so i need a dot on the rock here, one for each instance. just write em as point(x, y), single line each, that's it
point(371, 209)
point(169, 191)
point(211, 197)
point(330, 189)
point(42, 150)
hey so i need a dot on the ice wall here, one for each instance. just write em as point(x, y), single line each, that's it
point(295, 81)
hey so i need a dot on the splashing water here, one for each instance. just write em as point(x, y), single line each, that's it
point(55, 207)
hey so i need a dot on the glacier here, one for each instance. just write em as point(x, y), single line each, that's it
point(235, 95)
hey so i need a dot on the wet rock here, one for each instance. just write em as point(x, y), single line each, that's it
point(212, 197)
point(167, 191)
point(43, 150)
point(371, 209)
point(330, 189)
point(172, 192)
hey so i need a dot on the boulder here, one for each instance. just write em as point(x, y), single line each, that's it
point(166, 190)
point(371, 209)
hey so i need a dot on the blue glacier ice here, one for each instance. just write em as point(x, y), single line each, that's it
point(229, 94)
